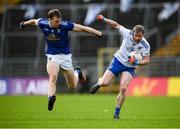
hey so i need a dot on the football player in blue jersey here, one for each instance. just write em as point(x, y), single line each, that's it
point(123, 63)
point(58, 51)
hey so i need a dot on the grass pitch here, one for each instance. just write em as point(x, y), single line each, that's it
point(89, 111)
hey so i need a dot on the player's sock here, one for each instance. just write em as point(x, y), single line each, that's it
point(51, 101)
point(77, 71)
point(81, 75)
point(116, 113)
point(49, 97)
point(94, 88)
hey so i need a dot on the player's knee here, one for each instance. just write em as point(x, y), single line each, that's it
point(123, 90)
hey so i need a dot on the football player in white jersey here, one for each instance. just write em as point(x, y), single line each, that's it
point(133, 40)
point(58, 49)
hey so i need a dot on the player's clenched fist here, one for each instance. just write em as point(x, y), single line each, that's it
point(100, 18)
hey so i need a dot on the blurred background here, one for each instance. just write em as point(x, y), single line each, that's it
point(23, 63)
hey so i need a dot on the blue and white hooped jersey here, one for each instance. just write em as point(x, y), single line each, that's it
point(128, 45)
point(56, 38)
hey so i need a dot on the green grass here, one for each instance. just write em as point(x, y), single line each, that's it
point(89, 111)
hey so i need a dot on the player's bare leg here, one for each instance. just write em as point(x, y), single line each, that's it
point(104, 81)
point(124, 82)
point(52, 69)
point(73, 77)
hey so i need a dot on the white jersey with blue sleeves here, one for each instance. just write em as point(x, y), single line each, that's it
point(56, 38)
point(128, 45)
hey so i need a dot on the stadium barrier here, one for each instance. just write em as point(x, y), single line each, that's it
point(139, 86)
point(152, 86)
point(24, 86)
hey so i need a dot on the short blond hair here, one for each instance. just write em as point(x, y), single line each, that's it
point(138, 28)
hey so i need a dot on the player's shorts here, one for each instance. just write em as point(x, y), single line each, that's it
point(116, 67)
point(64, 60)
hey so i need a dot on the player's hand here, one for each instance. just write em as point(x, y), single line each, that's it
point(21, 25)
point(100, 18)
point(100, 36)
point(133, 60)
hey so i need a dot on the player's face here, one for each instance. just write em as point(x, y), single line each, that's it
point(138, 37)
point(55, 21)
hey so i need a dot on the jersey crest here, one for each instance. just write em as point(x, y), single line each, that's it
point(53, 37)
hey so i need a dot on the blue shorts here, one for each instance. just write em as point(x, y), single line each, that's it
point(116, 67)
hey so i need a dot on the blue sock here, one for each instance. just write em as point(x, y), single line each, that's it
point(117, 110)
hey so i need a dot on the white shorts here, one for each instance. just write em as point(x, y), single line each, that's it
point(64, 60)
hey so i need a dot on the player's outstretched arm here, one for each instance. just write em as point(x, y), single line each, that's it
point(28, 23)
point(81, 28)
point(112, 23)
